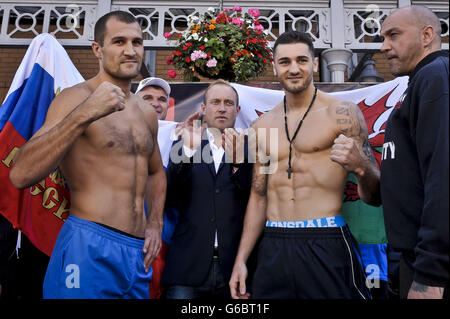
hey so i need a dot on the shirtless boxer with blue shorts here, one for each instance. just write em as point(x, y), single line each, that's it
point(104, 139)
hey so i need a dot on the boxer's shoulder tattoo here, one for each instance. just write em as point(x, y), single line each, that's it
point(350, 122)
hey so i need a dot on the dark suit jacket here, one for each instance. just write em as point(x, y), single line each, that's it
point(206, 201)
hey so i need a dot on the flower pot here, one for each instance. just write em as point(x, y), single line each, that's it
point(226, 73)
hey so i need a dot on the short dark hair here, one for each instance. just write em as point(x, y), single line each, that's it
point(294, 36)
point(221, 82)
point(100, 25)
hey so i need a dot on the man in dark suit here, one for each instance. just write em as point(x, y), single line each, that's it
point(209, 181)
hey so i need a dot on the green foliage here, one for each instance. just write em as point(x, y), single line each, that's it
point(227, 44)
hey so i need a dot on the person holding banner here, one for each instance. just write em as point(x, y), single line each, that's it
point(209, 178)
point(104, 139)
point(414, 170)
point(307, 250)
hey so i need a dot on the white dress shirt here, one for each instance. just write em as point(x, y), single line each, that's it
point(217, 153)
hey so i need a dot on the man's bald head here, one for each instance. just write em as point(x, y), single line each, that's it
point(409, 35)
point(422, 17)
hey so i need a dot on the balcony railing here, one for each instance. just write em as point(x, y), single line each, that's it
point(346, 24)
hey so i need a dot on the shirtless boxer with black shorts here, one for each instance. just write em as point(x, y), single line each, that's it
point(307, 250)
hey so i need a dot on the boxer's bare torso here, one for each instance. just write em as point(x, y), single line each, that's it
point(104, 139)
point(107, 166)
point(316, 185)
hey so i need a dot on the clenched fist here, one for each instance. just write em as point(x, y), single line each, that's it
point(346, 152)
point(106, 99)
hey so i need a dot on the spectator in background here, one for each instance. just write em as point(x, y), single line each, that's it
point(155, 92)
point(211, 195)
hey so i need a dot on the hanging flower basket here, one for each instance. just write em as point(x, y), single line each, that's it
point(229, 45)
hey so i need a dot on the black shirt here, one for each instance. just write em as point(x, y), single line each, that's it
point(414, 171)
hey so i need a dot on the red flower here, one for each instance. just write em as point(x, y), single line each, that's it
point(177, 53)
point(202, 47)
point(187, 60)
point(185, 47)
point(265, 61)
point(172, 73)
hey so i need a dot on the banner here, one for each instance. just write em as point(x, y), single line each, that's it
point(39, 211)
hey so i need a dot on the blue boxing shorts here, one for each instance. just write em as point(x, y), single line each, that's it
point(91, 261)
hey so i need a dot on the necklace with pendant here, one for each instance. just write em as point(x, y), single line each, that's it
point(289, 170)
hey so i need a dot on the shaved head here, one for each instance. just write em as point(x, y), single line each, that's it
point(409, 35)
point(422, 17)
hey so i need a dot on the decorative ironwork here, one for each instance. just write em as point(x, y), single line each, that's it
point(73, 24)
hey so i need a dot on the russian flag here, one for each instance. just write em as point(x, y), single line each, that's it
point(165, 129)
point(39, 211)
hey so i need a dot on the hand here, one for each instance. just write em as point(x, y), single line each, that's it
point(237, 282)
point(346, 152)
point(191, 131)
point(233, 143)
point(419, 291)
point(152, 243)
point(106, 99)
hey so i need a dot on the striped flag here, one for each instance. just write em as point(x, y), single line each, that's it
point(40, 210)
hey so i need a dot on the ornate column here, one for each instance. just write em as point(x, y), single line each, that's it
point(337, 62)
point(338, 56)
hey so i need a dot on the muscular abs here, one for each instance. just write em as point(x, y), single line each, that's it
point(106, 170)
point(316, 186)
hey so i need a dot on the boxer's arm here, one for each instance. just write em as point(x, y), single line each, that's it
point(255, 217)
point(155, 197)
point(46, 148)
point(66, 119)
point(353, 151)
